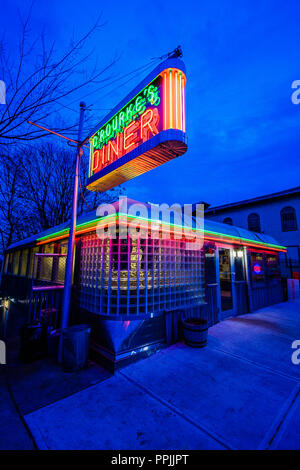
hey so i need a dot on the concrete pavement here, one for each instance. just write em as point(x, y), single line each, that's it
point(24, 388)
point(13, 433)
point(241, 392)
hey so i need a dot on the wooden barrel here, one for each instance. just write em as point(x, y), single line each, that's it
point(195, 332)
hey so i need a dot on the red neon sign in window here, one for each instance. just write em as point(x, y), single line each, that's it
point(257, 268)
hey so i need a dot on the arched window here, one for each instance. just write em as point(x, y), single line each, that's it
point(288, 219)
point(254, 222)
point(228, 221)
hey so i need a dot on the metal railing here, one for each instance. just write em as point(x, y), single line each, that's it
point(45, 303)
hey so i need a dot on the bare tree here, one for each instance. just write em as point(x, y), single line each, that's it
point(47, 179)
point(40, 77)
point(36, 182)
point(9, 203)
point(36, 190)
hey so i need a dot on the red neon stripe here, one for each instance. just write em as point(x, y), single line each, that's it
point(56, 133)
point(206, 237)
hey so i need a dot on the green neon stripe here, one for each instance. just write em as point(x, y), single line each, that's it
point(118, 214)
point(66, 230)
point(214, 233)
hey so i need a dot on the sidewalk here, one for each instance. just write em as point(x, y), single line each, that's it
point(240, 392)
point(13, 433)
point(34, 386)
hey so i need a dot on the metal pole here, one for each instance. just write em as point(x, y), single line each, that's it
point(71, 242)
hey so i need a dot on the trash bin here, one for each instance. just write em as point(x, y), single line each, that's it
point(76, 342)
point(33, 340)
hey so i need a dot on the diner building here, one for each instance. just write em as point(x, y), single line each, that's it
point(133, 290)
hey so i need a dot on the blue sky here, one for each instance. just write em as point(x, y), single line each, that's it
point(241, 58)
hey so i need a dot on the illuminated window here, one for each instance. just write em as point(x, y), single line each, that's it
point(46, 263)
point(272, 266)
point(254, 222)
point(6, 262)
point(228, 221)
point(61, 263)
point(32, 253)
point(24, 260)
point(61, 268)
point(288, 219)
point(257, 267)
point(9, 263)
point(64, 248)
point(239, 268)
point(16, 260)
point(210, 263)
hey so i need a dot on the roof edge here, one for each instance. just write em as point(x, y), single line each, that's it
point(254, 200)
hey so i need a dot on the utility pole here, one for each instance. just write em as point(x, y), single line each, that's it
point(71, 243)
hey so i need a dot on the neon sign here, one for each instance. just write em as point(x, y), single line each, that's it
point(144, 131)
point(257, 268)
point(149, 96)
point(135, 133)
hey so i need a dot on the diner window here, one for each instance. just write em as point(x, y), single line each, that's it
point(254, 222)
point(16, 261)
point(6, 263)
point(60, 264)
point(272, 266)
point(24, 260)
point(257, 267)
point(9, 263)
point(64, 248)
point(288, 219)
point(228, 221)
point(239, 266)
point(31, 260)
point(46, 263)
point(210, 263)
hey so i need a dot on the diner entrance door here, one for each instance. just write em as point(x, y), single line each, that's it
point(226, 278)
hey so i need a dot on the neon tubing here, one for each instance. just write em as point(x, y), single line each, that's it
point(171, 104)
point(207, 234)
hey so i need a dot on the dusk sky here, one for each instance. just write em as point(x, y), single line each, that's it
point(241, 59)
